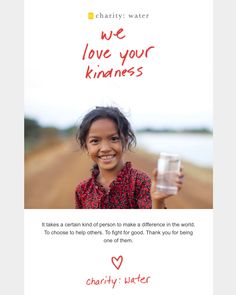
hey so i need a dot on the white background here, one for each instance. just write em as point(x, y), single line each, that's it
point(60, 265)
point(176, 84)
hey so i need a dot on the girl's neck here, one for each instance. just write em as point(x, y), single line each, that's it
point(106, 177)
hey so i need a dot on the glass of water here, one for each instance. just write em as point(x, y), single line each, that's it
point(168, 167)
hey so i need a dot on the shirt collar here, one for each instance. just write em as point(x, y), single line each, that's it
point(123, 172)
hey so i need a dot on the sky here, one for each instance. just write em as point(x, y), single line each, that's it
point(174, 90)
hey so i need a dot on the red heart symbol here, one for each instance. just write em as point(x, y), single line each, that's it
point(117, 261)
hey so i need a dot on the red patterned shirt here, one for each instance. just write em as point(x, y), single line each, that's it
point(130, 190)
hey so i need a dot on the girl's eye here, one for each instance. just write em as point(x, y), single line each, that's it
point(115, 138)
point(94, 141)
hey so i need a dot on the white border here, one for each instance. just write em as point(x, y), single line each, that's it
point(224, 146)
point(11, 156)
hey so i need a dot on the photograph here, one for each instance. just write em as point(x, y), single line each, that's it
point(104, 163)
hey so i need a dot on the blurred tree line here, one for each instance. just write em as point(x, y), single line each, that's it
point(199, 130)
point(36, 135)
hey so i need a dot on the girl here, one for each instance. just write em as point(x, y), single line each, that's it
point(105, 134)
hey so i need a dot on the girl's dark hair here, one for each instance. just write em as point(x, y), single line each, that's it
point(123, 126)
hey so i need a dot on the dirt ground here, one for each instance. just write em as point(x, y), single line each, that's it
point(52, 173)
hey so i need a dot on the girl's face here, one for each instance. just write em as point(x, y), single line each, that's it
point(104, 145)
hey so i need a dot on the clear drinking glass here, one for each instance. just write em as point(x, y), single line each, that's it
point(168, 166)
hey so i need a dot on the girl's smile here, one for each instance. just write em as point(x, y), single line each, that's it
point(107, 159)
point(104, 145)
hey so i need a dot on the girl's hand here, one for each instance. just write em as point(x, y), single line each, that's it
point(158, 198)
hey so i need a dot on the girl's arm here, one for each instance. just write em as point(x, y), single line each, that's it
point(158, 198)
